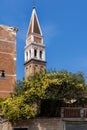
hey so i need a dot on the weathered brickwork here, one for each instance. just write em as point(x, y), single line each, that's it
point(7, 59)
point(38, 40)
point(34, 67)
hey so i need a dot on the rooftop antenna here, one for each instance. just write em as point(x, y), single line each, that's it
point(34, 4)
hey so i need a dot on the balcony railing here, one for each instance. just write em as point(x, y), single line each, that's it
point(73, 112)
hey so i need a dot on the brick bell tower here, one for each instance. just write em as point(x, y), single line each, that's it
point(34, 49)
point(7, 59)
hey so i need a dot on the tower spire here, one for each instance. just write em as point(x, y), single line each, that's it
point(34, 28)
point(35, 49)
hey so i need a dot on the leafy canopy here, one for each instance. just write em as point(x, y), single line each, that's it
point(25, 102)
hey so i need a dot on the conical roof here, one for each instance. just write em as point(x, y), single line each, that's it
point(34, 26)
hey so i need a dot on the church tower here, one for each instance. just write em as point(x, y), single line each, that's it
point(35, 49)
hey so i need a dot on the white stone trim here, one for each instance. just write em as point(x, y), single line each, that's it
point(34, 43)
point(6, 91)
point(1, 40)
point(35, 34)
point(14, 75)
point(32, 38)
point(34, 11)
point(29, 24)
point(6, 53)
point(32, 22)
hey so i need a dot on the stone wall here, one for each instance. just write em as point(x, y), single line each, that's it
point(35, 124)
point(46, 124)
point(5, 126)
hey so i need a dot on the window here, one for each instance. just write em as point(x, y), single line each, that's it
point(40, 54)
point(30, 52)
point(26, 68)
point(35, 53)
point(26, 55)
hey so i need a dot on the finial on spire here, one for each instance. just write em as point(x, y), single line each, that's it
point(34, 4)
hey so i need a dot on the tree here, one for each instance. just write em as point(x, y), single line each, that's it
point(16, 108)
point(64, 85)
point(25, 102)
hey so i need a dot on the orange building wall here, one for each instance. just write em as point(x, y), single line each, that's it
point(7, 60)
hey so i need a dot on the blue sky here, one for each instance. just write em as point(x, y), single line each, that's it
point(64, 26)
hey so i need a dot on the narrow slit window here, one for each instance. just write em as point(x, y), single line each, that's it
point(35, 53)
point(30, 52)
point(40, 54)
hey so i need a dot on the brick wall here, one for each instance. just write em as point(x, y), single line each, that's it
point(7, 59)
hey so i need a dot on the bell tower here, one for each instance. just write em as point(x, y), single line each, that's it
point(35, 49)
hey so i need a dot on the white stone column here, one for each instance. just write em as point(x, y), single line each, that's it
point(43, 55)
point(32, 52)
point(28, 55)
point(25, 55)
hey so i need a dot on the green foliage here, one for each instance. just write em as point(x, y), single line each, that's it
point(64, 85)
point(17, 108)
point(25, 102)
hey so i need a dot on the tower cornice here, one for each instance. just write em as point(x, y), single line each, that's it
point(34, 34)
point(34, 43)
point(35, 60)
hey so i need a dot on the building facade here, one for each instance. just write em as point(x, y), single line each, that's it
point(7, 59)
point(35, 48)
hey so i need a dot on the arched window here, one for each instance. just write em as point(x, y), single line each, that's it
point(40, 54)
point(35, 53)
